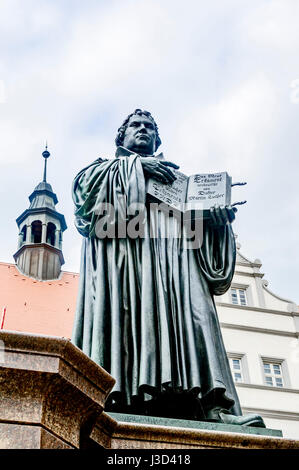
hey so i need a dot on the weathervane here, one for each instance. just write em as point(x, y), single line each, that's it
point(46, 155)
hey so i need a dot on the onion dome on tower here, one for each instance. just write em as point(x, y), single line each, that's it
point(39, 252)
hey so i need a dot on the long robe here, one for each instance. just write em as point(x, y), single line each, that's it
point(145, 308)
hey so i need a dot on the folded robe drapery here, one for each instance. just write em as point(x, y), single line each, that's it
point(145, 308)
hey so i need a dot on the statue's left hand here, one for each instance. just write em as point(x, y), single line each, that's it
point(222, 215)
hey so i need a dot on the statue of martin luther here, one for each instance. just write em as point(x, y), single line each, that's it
point(145, 309)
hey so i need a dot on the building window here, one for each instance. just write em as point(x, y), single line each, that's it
point(236, 368)
point(273, 374)
point(238, 296)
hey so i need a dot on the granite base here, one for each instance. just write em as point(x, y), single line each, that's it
point(120, 431)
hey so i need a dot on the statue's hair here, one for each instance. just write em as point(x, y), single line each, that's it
point(122, 129)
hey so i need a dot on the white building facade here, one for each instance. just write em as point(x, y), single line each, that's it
point(261, 336)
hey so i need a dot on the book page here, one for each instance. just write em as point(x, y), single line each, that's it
point(206, 190)
point(174, 195)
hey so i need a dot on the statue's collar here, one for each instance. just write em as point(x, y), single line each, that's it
point(124, 152)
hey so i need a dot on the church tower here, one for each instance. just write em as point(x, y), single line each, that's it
point(39, 252)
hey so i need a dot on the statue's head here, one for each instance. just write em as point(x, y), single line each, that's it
point(139, 133)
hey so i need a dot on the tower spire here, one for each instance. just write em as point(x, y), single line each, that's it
point(46, 155)
point(39, 253)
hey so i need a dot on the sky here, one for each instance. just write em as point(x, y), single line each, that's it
point(221, 78)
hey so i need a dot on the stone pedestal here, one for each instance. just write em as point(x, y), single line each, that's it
point(52, 397)
point(50, 393)
point(119, 431)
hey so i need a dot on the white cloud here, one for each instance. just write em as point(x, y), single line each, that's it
point(274, 24)
point(230, 133)
point(108, 48)
point(2, 92)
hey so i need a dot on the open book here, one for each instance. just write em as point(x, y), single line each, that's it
point(193, 195)
point(196, 193)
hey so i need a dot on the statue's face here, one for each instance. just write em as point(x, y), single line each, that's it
point(140, 135)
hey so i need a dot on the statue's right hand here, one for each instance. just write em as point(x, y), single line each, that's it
point(158, 169)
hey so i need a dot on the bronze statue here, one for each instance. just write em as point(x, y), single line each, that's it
point(145, 309)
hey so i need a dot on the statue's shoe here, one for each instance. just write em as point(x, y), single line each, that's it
point(247, 420)
point(222, 415)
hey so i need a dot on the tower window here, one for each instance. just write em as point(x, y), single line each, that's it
point(24, 232)
point(36, 228)
point(51, 233)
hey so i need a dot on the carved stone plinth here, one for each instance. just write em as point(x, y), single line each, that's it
point(114, 431)
point(50, 392)
point(52, 397)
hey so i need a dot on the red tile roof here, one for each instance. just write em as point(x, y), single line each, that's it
point(41, 307)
